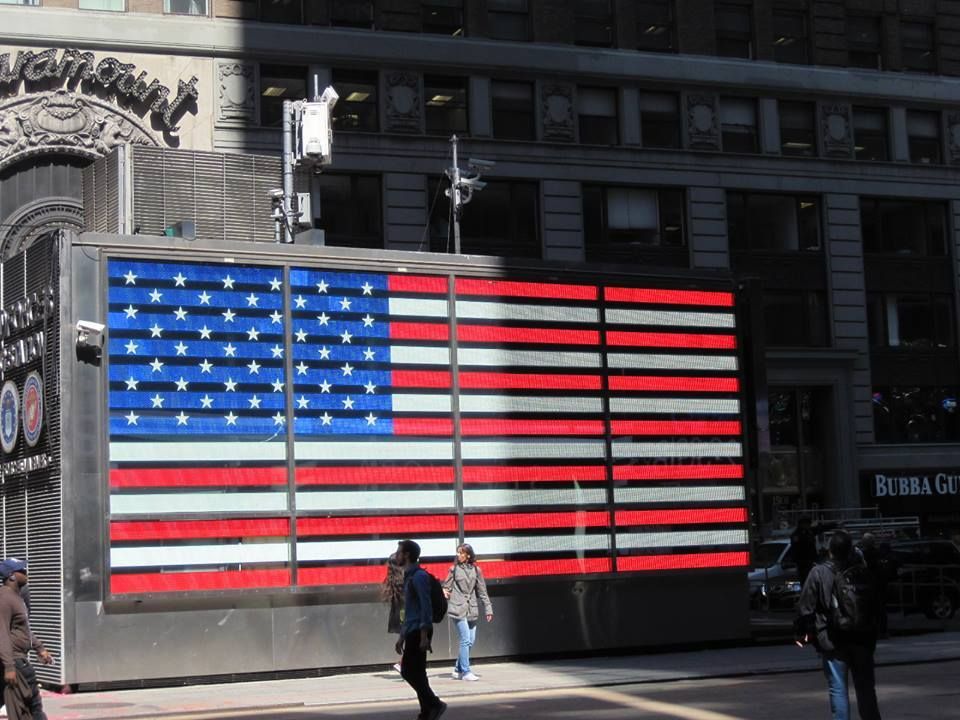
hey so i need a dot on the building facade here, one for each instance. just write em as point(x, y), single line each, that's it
point(808, 147)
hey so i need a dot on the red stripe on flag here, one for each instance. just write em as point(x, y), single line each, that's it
point(420, 379)
point(392, 525)
point(681, 517)
point(677, 472)
point(375, 475)
point(139, 583)
point(679, 562)
point(673, 384)
point(668, 297)
point(541, 568)
point(534, 521)
point(504, 288)
point(132, 477)
point(195, 529)
point(423, 426)
point(358, 574)
point(481, 474)
point(528, 381)
point(624, 338)
point(675, 427)
point(543, 336)
point(420, 284)
point(418, 331)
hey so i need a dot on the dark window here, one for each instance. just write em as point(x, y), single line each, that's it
point(738, 124)
point(593, 23)
point(660, 120)
point(913, 321)
point(794, 318)
point(508, 20)
point(923, 131)
point(442, 17)
point(513, 116)
point(281, 11)
point(357, 107)
point(350, 210)
point(790, 43)
point(180, 7)
point(597, 116)
point(734, 26)
point(502, 219)
point(797, 128)
point(870, 135)
point(758, 222)
point(919, 54)
point(279, 83)
point(621, 222)
point(446, 104)
point(352, 13)
point(912, 414)
point(864, 43)
point(655, 26)
point(903, 227)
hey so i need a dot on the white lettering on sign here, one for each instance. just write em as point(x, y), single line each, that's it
point(915, 485)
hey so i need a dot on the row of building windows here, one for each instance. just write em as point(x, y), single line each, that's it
point(171, 7)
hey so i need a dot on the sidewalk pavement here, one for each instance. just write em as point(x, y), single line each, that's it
point(496, 677)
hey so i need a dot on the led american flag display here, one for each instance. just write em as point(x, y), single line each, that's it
point(561, 428)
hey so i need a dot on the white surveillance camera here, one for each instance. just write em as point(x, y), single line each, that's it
point(90, 329)
point(473, 183)
point(329, 96)
point(89, 341)
point(478, 163)
point(276, 194)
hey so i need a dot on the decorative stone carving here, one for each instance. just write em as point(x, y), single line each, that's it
point(62, 121)
point(402, 101)
point(557, 109)
point(236, 93)
point(953, 136)
point(703, 128)
point(835, 133)
point(29, 222)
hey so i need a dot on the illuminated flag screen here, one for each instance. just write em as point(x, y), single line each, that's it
point(563, 429)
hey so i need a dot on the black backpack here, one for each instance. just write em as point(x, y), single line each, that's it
point(438, 600)
point(854, 606)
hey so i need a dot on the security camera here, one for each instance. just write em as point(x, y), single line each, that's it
point(473, 183)
point(90, 330)
point(89, 341)
point(478, 163)
point(275, 194)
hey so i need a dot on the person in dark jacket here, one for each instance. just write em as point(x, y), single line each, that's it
point(841, 653)
point(21, 692)
point(466, 590)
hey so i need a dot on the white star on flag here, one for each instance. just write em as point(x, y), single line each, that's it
point(367, 320)
point(205, 366)
point(230, 385)
point(367, 288)
point(254, 402)
point(229, 350)
point(324, 353)
point(326, 418)
point(368, 354)
point(230, 418)
point(325, 387)
point(132, 384)
point(180, 313)
point(228, 283)
point(301, 335)
point(370, 387)
point(254, 367)
point(323, 318)
point(204, 298)
point(347, 370)
point(182, 384)
point(302, 402)
point(156, 365)
point(205, 333)
point(279, 419)
point(206, 402)
point(182, 418)
point(229, 315)
point(345, 337)
point(347, 403)
point(179, 280)
point(277, 386)
point(253, 334)
point(277, 351)
point(156, 331)
point(345, 304)
point(302, 368)
point(132, 418)
point(300, 301)
point(155, 296)
point(130, 278)
point(131, 348)
point(276, 318)
point(371, 419)
point(322, 286)
point(131, 312)
point(252, 300)
point(157, 401)
point(275, 284)
point(180, 348)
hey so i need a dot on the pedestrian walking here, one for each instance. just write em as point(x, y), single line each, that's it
point(838, 612)
point(391, 592)
point(466, 590)
point(21, 691)
point(417, 632)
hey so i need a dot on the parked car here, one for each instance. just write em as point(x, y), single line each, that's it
point(927, 578)
point(774, 583)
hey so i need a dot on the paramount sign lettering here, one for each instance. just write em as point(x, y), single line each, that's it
point(109, 73)
point(941, 484)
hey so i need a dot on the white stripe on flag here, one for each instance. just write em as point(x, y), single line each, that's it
point(526, 358)
point(645, 361)
point(421, 403)
point(534, 449)
point(506, 498)
point(194, 502)
point(199, 451)
point(418, 307)
point(377, 448)
point(419, 355)
point(375, 500)
point(238, 553)
point(473, 309)
point(667, 317)
point(310, 551)
point(527, 403)
point(506, 545)
point(712, 406)
point(706, 493)
point(626, 449)
point(681, 539)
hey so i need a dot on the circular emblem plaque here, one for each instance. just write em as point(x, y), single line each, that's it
point(9, 416)
point(32, 408)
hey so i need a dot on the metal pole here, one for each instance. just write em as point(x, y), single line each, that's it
point(455, 196)
point(288, 110)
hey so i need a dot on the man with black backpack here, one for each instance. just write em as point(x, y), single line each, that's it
point(838, 612)
point(419, 590)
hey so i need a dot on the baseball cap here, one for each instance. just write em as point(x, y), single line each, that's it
point(11, 565)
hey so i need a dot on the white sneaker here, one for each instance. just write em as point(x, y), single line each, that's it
point(470, 677)
point(396, 666)
point(456, 675)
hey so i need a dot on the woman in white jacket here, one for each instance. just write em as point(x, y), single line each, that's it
point(466, 591)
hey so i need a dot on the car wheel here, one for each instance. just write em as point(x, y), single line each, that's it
point(942, 605)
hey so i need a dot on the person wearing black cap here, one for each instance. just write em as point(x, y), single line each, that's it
point(21, 692)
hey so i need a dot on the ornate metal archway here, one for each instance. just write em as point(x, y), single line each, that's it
point(36, 218)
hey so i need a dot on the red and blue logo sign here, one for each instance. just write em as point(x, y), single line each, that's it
point(9, 416)
point(32, 408)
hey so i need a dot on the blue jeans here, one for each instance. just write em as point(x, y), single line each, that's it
point(857, 661)
point(468, 636)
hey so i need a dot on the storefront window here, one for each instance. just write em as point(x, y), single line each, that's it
point(915, 414)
